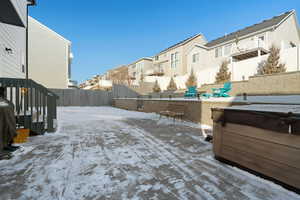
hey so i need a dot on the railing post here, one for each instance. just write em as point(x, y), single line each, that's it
point(51, 112)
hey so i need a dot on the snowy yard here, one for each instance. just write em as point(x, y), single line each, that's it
point(108, 153)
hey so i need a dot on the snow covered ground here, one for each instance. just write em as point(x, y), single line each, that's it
point(108, 153)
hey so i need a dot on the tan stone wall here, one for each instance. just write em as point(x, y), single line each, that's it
point(285, 83)
point(128, 104)
point(196, 111)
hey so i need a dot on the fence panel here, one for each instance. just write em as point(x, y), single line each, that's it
point(75, 97)
point(122, 91)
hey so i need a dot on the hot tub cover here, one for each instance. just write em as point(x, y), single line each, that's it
point(279, 118)
point(7, 123)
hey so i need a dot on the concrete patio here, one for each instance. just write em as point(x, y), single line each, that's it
point(108, 153)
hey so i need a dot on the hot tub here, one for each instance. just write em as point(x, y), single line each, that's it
point(262, 138)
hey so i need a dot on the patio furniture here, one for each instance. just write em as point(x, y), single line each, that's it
point(174, 111)
point(191, 92)
point(219, 92)
point(222, 92)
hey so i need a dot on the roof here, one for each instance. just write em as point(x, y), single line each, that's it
point(144, 58)
point(119, 68)
point(250, 29)
point(181, 43)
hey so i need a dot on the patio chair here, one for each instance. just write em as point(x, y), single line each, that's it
point(222, 92)
point(174, 111)
point(191, 92)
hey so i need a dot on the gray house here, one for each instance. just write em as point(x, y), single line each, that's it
point(13, 26)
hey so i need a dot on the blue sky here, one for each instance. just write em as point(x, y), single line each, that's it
point(109, 33)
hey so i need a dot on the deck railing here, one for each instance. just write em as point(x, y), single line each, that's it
point(35, 106)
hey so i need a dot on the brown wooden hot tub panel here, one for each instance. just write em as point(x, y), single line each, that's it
point(270, 153)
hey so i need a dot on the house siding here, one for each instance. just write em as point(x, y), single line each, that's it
point(285, 33)
point(14, 38)
point(48, 58)
point(181, 69)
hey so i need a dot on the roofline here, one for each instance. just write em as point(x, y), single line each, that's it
point(292, 12)
point(180, 44)
point(297, 23)
point(257, 32)
point(118, 67)
point(242, 37)
point(49, 29)
point(144, 58)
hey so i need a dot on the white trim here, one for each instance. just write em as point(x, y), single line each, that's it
point(292, 12)
point(180, 44)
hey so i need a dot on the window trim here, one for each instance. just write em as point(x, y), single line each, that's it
point(195, 57)
point(224, 53)
point(174, 59)
point(217, 53)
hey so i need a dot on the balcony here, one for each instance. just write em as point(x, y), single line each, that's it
point(157, 71)
point(249, 49)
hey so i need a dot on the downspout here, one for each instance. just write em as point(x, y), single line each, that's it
point(298, 57)
point(27, 42)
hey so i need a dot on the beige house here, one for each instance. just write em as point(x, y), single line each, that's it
point(173, 60)
point(246, 48)
point(139, 69)
point(97, 82)
point(118, 75)
point(50, 58)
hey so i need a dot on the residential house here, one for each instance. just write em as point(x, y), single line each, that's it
point(97, 82)
point(50, 58)
point(118, 75)
point(13, 25)
point(139, 69)
point(173, 60)
point(246, 48)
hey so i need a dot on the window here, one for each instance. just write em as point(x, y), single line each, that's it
point(174, 60)
point(227, 49)
point(195, 57)
point(218, 52)
point(156, 57)
point(262, 38)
